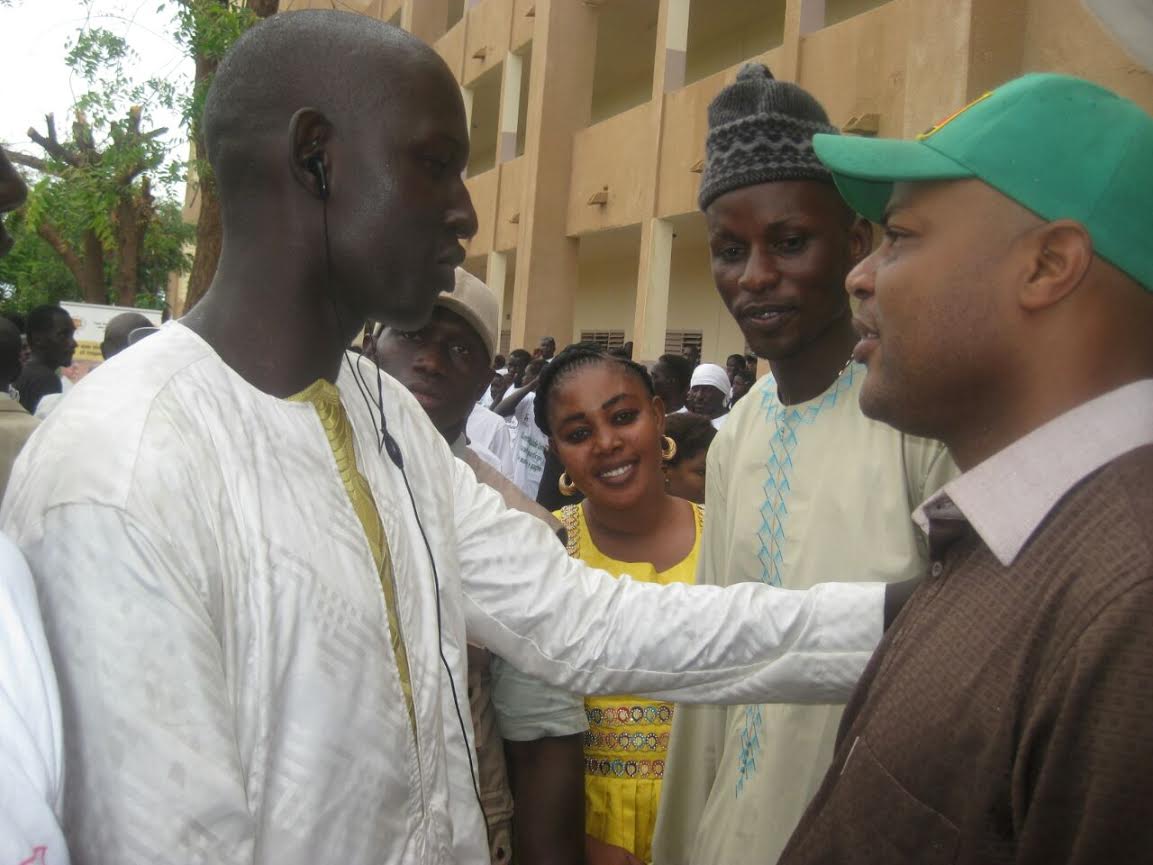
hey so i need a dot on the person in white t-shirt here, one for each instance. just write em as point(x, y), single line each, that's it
point(529, 443)
point(485, 428)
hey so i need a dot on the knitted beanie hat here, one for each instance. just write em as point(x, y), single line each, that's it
point(761, 130)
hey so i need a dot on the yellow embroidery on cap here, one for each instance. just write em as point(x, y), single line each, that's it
point(937, 127)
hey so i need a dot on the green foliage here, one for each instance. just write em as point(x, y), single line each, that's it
point(106, 154)
point(33, 274)
point(206, 29)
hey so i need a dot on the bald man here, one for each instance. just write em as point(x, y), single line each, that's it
point(118, 330)
point(262, 568)
point(1007, 716)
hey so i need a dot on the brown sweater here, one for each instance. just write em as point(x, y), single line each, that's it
point(1007, 717)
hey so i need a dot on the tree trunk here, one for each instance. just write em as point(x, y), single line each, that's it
point(92, 285)
point(133, 215)
point(209, 236)
point(86, 269)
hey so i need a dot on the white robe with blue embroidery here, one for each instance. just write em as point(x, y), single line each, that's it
point(794, 492)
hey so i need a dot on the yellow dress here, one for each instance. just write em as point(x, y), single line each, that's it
point(628, 738)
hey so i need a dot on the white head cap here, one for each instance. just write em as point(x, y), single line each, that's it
point(711, 374)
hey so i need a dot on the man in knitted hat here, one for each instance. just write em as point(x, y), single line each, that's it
point(1009, 312)
point(799, 482)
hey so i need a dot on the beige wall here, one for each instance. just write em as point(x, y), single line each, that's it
point(1060, 36)
point(607, 283)
point(910, 62)
point(723, 33)
point(693, 300)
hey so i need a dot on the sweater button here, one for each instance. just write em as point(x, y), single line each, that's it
point(937, 569)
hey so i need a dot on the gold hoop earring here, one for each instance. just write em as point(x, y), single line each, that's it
point(565, 485)
point(668, 448)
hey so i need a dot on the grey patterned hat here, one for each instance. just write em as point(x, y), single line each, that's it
point(761, 130)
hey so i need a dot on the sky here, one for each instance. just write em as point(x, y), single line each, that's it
point(34, 79)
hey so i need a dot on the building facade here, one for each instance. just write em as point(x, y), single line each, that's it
point(588, 121)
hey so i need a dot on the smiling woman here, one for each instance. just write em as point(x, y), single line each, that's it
point(607, 426)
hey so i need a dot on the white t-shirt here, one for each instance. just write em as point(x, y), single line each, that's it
point(490, 430)
point(529, 449)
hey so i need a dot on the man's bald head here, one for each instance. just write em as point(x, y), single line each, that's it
point(117, 331)
point(346, 66)
point(339, 144)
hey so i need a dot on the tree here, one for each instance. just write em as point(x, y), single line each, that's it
point(93, 202)
point(33, 274)
point(207, 29)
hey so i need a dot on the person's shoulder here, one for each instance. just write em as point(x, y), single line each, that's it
point(1095, 543)
point(1128, 482)
point(34, 371)
point(14, 415)
point(485, 454)
point(485, 418)
point(87, 449)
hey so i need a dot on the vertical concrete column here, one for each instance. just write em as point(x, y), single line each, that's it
point(466, 96)
point(651, 313)
point(425, 19)
point(559, 104)
point(509, 107)
point(996, 43)
point(802, 17)
point(495, 277)
point(984, 40)
point(937, 29)
point(676, 44)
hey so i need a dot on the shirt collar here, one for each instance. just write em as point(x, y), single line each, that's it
point(1006, 497)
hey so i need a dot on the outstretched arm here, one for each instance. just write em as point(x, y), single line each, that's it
point(575, 627)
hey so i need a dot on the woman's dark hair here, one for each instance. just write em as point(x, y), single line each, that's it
point(570, 360)
point(693, 433)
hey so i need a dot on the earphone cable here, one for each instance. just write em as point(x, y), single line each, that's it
point(386, 441)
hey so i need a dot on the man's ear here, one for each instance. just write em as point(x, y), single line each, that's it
point(860, 239)
point(309, 133)
point(1060, 254)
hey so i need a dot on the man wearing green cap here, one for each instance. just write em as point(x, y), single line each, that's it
point(1006, 716)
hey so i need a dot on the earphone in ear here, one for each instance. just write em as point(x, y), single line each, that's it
point(315, 165)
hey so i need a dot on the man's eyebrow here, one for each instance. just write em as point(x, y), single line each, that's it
point(890, 211)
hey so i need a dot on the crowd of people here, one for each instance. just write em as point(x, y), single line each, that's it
point(267, 599)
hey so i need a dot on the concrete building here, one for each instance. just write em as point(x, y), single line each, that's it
point(588, 123)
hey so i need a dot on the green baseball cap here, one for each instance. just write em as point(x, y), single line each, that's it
point(1063, 147)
